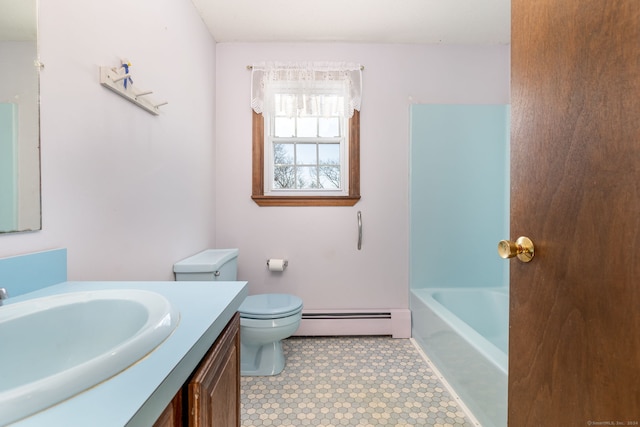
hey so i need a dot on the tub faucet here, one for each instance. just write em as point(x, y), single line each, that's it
point(3, 295)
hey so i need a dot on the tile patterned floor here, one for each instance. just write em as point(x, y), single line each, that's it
point(350, 381)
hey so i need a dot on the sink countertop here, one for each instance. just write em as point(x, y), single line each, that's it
point(139, 394)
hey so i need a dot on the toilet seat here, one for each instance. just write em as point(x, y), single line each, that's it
point(270, 306)
point(270, 324)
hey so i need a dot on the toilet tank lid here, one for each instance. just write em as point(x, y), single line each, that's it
point(206, 261)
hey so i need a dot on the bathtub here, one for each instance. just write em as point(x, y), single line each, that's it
point(464, 332)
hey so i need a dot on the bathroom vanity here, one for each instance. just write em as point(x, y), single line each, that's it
point(211, 397)
point(191, 379)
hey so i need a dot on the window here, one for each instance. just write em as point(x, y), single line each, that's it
point(305, 148)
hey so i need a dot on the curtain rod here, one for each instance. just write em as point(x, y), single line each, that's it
point(250, 67)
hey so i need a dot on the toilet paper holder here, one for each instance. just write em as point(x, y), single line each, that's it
point(284, 262)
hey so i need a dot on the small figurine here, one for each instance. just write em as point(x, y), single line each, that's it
point(126, 64)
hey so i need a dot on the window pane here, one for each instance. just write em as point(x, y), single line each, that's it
point(284, 177)
point(307, 177)
point(329, 127)
point(307, 126)
point(329, 154)
point(306, 154)
point(284, 127)
point(330, 177)
point(283, 154)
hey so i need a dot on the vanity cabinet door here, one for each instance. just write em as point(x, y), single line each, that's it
point(214, 390)
point(172, 415)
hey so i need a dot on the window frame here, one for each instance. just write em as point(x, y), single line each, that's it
point(258, 174)
point(270, 168)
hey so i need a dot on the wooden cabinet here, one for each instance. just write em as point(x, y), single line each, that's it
point(211, 397)
point(172, 414)
point(214, 390)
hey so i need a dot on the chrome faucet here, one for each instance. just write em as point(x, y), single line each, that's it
point(3, 295)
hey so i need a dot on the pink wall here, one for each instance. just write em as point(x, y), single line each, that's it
point(126, 192)
point(129, 193)
point(325, 268)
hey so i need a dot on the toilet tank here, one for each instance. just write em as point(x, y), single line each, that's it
point(209, 265)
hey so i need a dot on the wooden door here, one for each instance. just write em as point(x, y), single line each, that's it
point(574, 355)
point(214, 390)
point(172, 414)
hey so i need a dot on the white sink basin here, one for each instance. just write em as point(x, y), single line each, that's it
point(54, 347)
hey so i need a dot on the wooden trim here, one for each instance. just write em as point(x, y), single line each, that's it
point(354, 155)
point(258, 155)
point(257, 180)
point(305, 200)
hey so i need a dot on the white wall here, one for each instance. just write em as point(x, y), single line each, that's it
point(325, 267)
point(129, 193)
point(126, 192)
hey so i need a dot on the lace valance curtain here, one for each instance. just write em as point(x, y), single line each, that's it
point(319, 88)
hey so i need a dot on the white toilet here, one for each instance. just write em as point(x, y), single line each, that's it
point(265, 319)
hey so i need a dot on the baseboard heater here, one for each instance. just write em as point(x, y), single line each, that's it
point(394, 322)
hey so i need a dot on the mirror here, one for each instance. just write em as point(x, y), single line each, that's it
point(19, 117)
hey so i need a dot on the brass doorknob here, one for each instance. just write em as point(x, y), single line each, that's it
point(522, 248)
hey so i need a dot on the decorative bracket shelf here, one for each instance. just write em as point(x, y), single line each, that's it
point(115, 78)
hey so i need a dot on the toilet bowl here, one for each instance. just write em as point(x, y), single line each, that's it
point(265, 319)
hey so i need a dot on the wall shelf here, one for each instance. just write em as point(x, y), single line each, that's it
point(115, 78)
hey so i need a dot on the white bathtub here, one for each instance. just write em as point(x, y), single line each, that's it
point(464, 331)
